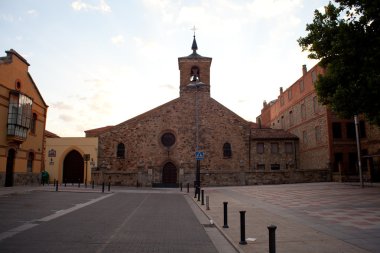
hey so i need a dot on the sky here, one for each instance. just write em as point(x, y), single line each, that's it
point(101, 62)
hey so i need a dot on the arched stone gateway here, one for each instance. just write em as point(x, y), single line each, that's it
point(73, 167)
point(9, 169)
point(169, 174)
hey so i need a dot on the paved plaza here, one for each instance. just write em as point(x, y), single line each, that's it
point(317, 217)
point(85, 220)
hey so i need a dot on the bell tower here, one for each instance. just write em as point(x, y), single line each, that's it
point(194, 71)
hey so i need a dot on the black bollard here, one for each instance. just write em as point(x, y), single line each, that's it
point(199, 193)
point(203, 198)
point(225, 214)
point(242, 228)
point(272, 238)
point(93, 184)
point(181, 185)
point(103, 187)
point(65, 183)
point(109, 185)
point(195, 192)
point(56, 186)
point(188, 187)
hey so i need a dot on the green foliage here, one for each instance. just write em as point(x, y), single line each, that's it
point(346, 40)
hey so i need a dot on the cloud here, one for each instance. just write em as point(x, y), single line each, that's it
point(61, 106)
point(79, 5)
point(168, 86)
point(9, 18)
point(66, 118)
point(118, 39)
point(32, 13)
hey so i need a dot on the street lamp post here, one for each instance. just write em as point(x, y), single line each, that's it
point(195, 83)
point(358, 150)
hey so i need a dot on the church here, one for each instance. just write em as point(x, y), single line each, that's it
point(195, 139)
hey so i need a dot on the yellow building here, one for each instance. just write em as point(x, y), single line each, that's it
point(23, 114)
point(71, 159)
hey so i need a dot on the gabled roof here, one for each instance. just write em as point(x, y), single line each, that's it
point(97, 131)
point(49, 134)
point(38, 91)
point(13, 52)
point(271, 134)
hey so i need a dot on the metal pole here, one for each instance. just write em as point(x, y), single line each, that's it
point(242, 228)
point(203, 198)
point(85, 180)
point(188, 187)
point(272, 238)
point(199, 193)
point(198, 167)
point(225, 214)
point(56, 186)
point(207, 203)
point(358, 149)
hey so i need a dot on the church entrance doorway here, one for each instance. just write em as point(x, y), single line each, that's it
point(169, 174)
point(73, 167)
point(9, 169)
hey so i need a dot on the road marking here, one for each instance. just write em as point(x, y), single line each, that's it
point(31, 224)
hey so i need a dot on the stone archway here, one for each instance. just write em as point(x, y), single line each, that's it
point(169, 173)
point(73, 167)
point(9, 170)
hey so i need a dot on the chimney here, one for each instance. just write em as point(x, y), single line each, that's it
point(281, 90)
point(304, 69)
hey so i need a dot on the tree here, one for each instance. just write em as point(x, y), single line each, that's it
point(346, 40)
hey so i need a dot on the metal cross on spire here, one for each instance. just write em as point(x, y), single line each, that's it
point(194, 46)
point(193, 29)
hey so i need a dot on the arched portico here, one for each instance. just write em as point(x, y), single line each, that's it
point(73, 167)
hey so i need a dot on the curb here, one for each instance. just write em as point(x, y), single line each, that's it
point(236, 247)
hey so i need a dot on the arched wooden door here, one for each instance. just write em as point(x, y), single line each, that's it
point(169, 174)
point(73, 167)
point(9, 170)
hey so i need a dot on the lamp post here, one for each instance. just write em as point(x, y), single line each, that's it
point(358, 149)
point(195, 83)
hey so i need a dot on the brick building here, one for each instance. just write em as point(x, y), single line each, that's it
point(22, 115)
point(158, 147)
point(327, 143)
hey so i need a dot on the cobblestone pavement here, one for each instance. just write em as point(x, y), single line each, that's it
point(320, 217)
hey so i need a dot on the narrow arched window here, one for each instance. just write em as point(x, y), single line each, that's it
point(29, 165)
point(227, 151)
point(120, 153)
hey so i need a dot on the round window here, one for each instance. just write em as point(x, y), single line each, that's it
point(168, 139)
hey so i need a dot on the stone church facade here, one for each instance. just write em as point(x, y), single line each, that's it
point(159, 147)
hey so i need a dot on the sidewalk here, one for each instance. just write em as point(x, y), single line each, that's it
point(320, 217)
